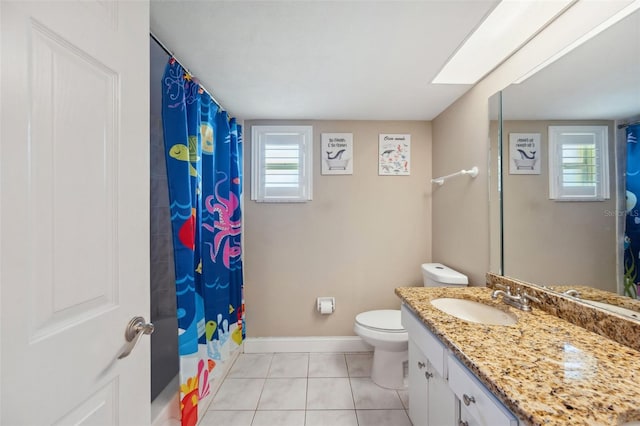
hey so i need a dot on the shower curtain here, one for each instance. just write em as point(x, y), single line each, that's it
point(203, 148)
point(632, 223)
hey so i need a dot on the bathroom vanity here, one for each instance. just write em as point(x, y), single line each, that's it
point(442, 391)
point(542, 370)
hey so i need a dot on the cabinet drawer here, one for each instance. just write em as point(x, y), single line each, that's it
point(429, 344)
point(486, 410)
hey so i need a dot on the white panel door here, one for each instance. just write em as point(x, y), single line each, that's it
point(74, 173)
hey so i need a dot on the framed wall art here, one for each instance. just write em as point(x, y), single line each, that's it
point(394, 155)
point(336, 153)
point(524, 153)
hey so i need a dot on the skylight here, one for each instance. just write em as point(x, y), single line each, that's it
point(509, 26)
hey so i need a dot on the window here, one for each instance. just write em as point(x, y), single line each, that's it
point(578, 163)
point(281, 163)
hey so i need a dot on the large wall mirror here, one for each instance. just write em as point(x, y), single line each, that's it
point(557, 113)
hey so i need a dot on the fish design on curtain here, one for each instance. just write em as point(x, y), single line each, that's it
point(203, 149)
point(632, 223)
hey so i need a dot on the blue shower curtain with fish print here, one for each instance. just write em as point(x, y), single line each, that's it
point(632, 224)
point(203, 148)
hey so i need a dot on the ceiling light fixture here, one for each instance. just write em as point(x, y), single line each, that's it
point(509, 26)
point(623, 13)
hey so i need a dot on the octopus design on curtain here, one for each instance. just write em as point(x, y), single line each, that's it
point(204, 167)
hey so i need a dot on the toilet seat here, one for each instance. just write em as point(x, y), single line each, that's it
point(382, 329)
point(385, 320)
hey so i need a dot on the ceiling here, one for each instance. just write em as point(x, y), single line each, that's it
point(599, 79)
point(339, 60)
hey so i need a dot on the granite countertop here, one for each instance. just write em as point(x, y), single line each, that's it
point(547, 371)
point(593, 294)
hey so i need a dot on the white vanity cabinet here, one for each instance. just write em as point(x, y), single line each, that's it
point(442, 391)
point(431, 401)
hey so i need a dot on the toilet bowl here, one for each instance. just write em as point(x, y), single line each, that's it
point(383, 330)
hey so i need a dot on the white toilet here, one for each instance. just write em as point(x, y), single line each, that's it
point(383, 330)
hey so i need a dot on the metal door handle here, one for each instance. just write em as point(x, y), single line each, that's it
point(135, 329)
point(428, 375)
point(421, 365)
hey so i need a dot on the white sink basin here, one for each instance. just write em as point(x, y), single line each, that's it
point(477, 312)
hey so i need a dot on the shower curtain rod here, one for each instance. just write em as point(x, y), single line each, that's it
point(161, 44)
point(633, 123)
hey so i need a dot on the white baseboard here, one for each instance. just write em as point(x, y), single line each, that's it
point(256, 345)
point(165, 409)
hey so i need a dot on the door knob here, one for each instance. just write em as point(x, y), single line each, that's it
point(134, 331)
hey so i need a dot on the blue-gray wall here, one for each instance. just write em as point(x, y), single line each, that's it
point(164, 340)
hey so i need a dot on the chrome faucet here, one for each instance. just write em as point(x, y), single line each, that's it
point(519, 300)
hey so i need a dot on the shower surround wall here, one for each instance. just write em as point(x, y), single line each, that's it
point(164, 340)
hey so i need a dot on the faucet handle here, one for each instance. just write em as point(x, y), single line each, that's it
point(573, 293)
point(503, 287)
point(526, 297)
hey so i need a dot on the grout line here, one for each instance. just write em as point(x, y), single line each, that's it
point(306, 397)
point(264, 382)
point(307, 378)
point(269, 368)
point(270, 365)
point(353, 398)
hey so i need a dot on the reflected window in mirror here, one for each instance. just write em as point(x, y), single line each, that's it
point(578, 163)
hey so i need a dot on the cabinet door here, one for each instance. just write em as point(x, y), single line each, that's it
point(466, 419)
point(442, 401)
point(417, 386)
point(431, 402)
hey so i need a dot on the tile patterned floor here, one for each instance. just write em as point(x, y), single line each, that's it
point(305, 389)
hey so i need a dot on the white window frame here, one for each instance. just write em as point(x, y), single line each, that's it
point(598, 190)
point(292, 192)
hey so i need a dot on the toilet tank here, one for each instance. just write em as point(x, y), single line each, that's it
point(438, 275)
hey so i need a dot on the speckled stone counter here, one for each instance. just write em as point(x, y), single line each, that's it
point(620, 328)
point(589, 293)
point(547, 371)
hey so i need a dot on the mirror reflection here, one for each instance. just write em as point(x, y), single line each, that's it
point(569, 133)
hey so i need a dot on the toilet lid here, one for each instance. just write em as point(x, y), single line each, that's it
point(385, 319)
